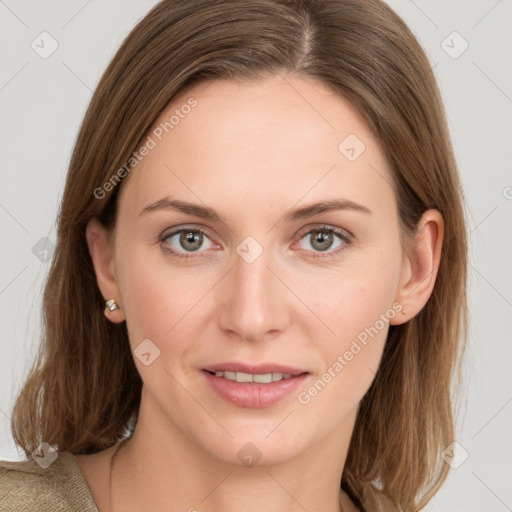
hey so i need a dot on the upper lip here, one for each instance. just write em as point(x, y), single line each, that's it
point(259, 369)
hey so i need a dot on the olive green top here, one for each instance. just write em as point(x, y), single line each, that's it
point(26, 486)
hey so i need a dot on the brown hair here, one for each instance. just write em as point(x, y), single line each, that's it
point(84, 389)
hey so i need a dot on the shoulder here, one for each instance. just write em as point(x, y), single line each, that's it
point(27, 486)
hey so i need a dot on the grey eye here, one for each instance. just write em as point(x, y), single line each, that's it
point(187, 240)
point(321, 240)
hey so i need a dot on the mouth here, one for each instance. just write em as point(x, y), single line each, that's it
point(260, 374)
point(253, 386)
point(253, 378)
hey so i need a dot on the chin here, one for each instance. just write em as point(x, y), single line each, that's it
point(250, 446)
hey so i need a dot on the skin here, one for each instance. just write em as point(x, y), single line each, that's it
point(252, 151)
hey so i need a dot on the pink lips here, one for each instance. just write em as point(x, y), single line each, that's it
point(250, 394)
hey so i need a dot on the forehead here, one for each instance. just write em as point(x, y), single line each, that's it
point(268, 140)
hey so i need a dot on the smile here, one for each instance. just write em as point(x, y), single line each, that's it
point(262, 378)
point(252, 386)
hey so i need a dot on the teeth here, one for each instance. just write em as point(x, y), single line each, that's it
point(243, 377)
point(265, 378)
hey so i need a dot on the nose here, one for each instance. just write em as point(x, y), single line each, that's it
point(255, 303)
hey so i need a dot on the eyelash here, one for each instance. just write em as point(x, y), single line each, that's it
point(344, 235)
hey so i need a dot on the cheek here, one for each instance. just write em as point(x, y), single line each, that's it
point(353, 297)
point(357, 306)
point(146, 294)
point(159, 298)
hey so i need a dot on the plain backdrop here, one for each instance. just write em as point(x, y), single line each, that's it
point(42, 102)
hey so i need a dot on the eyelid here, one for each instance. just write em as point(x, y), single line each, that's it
point(344, 233)
point(192, 227)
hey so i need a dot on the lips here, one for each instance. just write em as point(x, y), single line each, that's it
point(253, 386)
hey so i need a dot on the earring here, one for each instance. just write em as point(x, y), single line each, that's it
point(403, 311)
point(111, 305)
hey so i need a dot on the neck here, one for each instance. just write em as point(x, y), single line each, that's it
point(157, 468)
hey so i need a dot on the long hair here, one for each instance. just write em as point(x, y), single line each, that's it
point(83, 391)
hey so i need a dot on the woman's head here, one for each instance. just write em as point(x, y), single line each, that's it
point(255, 112)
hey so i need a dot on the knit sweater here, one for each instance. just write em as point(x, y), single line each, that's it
point(61, 487)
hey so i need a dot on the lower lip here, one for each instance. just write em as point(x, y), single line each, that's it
point(255, 396)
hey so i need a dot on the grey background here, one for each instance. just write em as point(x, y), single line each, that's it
point(42, 104)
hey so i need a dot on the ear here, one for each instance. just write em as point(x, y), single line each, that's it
point(100, 243)
point(419, 266)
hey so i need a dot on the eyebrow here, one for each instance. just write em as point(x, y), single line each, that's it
point(210, 214)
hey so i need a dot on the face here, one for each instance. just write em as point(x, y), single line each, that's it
point(264, 285)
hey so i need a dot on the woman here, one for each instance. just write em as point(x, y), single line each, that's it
point(258, 295)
